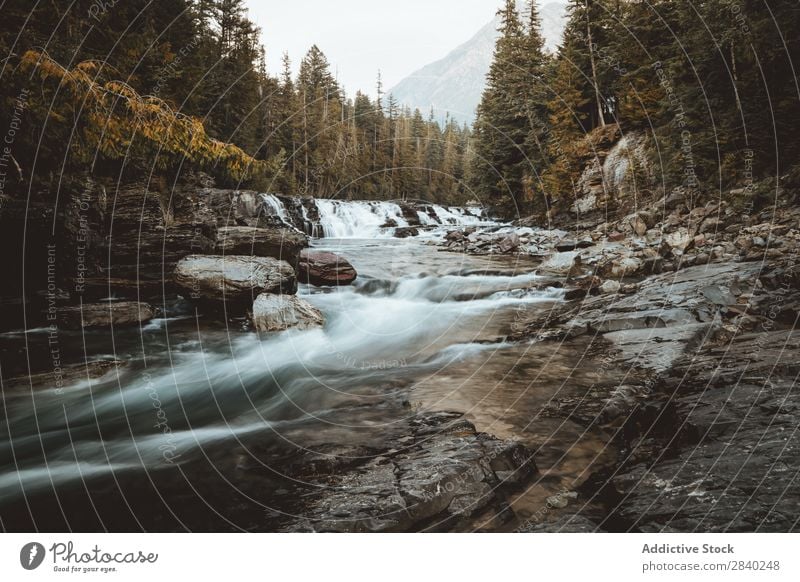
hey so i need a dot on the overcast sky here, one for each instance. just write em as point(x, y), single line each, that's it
point(361, 36)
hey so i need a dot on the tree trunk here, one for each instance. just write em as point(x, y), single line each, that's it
point(599, 100)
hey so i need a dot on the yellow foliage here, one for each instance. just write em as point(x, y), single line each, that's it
point(118, 122)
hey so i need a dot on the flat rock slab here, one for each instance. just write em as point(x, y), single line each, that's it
point(278, 242)
point(273, 313)
point(121, 313)
point(732, 463)
point(445, 471)
point(234, 278)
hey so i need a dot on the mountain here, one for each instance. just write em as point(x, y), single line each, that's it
point(455, 83)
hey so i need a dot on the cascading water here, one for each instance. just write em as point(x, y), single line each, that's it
point(365, 219)
point(458, 216)
point(413, 311)
point(276, 208)
point(341, 219)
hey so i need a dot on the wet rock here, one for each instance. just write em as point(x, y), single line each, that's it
point(233, 278)
point(279, 243)
point(727, 459)
point(273, 313)
point(455, 236)
point(115, 314)
point(406, 232)
point(445, 471)
point(567, 245)
point(508, 243)
point(66, 375)
point(325, 269)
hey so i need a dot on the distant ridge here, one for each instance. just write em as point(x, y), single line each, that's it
point(455, 83)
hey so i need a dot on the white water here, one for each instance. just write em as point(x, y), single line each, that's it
point(410, 303)
point(276, 208)
point(345, 219)
point(342, 219)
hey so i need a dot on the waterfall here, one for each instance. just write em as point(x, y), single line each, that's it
point(340, 219)
point(458, 216)
point(364, 219)
point(275, 207)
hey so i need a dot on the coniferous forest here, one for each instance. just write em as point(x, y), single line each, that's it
point(154, 85)
point(708, 80)
point(115, 78)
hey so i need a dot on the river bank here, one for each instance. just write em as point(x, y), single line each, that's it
point(623, 375)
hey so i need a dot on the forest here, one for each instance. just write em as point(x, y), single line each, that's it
point(158, 87)
point(706, 80)
point(152, 88)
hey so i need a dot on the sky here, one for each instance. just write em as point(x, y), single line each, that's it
point(361, 36)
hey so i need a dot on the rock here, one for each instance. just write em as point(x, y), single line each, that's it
point(444, 470)
point(454, 236)
point(639, 225)
point(680, 239)
point(279, 243)
point(105, 314)
point(406, 232)
point(325, 269)
point(616, 237)
point(508, 243)
point(609, 287)
point(562, 263)
point(676, 199)
point(272, 313)
point(567, 245)
point(234, 278)
point(390, 223)
point(620, 267)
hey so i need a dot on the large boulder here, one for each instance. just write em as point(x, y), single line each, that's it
point(325, 269)
point(273, 313)
point(234, 278)
point(105, 314)
point(279, 243)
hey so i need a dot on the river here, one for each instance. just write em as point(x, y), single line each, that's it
point(191, 398)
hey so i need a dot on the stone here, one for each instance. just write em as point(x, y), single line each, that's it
point(325, 269)
point(406, 232)
point(118, 314)
point(273, 313)
point(508, 243)
point(233, 278)
point(680, 239)
point(562, 263)
point(278, 242)
point(609, 287)
point(567, 245)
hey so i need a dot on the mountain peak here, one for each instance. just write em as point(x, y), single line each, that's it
point(454, 84)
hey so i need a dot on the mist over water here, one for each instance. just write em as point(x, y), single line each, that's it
point(413, 313)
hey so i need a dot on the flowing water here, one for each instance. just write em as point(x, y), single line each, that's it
point(421, 329)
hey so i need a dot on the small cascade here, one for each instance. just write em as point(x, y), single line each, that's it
point(341, 219)
point(458, 216)
point(322, 218)
point(274, 207)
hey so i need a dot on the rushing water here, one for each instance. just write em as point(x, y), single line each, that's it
point(419, 325)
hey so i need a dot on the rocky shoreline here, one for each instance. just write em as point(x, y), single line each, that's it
point(700, 310)
point(686, 314)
